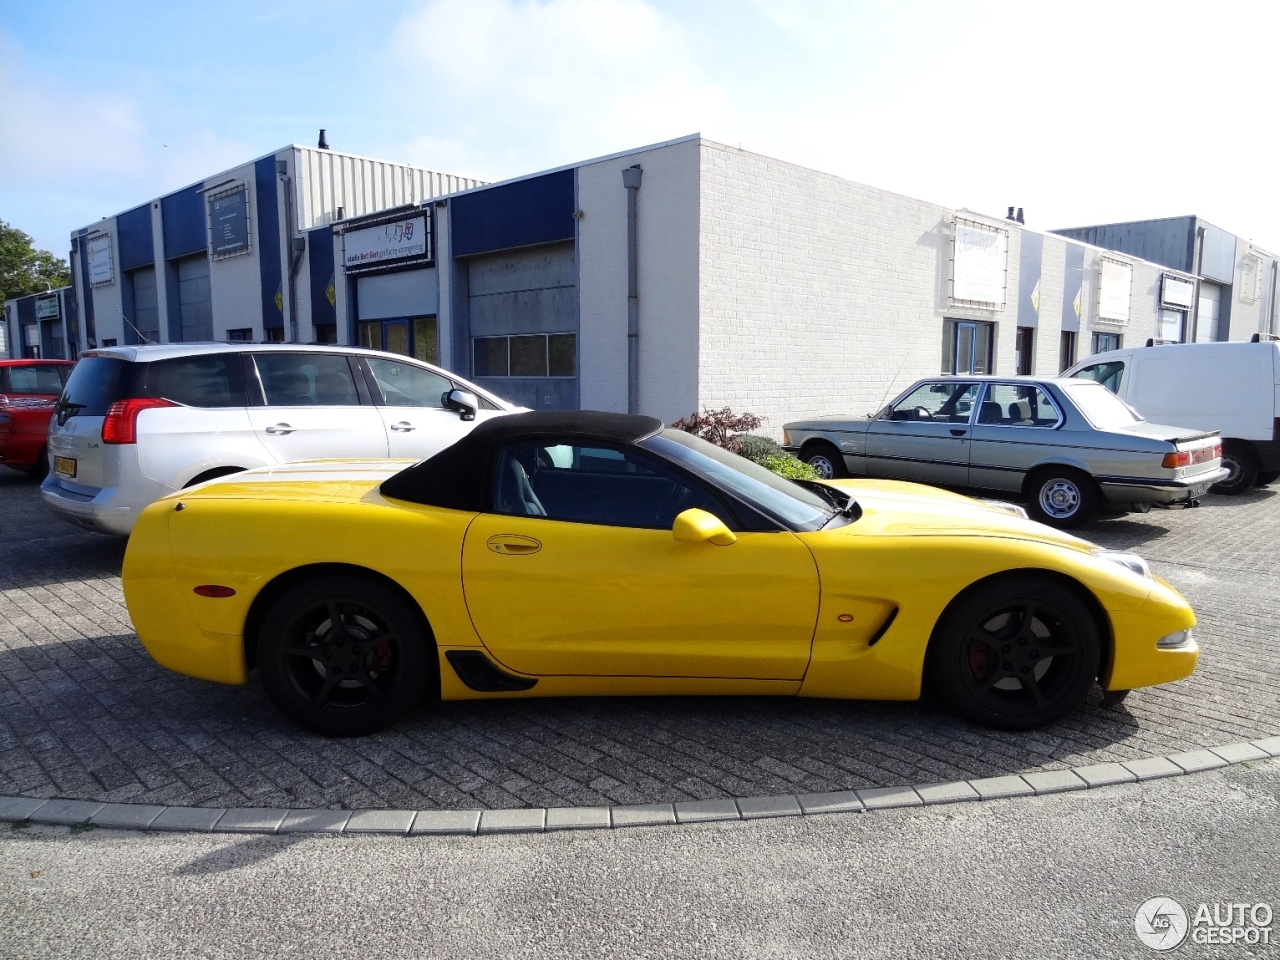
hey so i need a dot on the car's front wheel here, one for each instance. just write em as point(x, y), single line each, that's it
point(826, 459)
point(1062, 497)
point(1017, 652)
point(344, 656)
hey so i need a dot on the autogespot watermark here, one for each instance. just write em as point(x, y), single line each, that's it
point(1163, 924)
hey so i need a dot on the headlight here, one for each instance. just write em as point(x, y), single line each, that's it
point(1174, 640)
point(1130, 561)
point(1005, 507)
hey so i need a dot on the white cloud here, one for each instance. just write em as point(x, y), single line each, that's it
point(549, 81)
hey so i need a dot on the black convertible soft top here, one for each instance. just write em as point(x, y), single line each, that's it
point(455, 478)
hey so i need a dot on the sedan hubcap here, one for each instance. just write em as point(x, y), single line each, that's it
point(1060, 498)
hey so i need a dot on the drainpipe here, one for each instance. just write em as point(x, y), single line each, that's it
point(631, 181)
point(297, 245)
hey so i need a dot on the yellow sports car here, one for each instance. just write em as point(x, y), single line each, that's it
point(562, 554)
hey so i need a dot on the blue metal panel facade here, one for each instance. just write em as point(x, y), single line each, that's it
point(520, 214)
point(81, 278)
point(135, 239)
point(1170, 242)
point(182, 219)
point(269, 267)
point(320, 264)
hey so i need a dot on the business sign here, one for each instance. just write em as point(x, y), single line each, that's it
point(979, 264)
point(229, 222)
point(1177, 292)
point(47, 308)
point(396, 240)
point(1113, 291)
point(101, 268)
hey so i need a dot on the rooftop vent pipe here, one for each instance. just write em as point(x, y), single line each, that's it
point(323, 144)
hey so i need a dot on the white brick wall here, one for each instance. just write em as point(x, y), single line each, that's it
point(667, 276)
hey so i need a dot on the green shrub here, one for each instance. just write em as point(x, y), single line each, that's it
point(793, 468)
point(755, 447)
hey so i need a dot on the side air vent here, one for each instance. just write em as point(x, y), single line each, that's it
point(480, 674)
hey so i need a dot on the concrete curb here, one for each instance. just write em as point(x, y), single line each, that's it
point(257, 820)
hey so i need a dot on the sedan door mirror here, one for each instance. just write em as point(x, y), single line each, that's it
point(463, 401)
point(698, 526)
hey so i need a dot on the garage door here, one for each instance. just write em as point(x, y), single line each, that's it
point(195, 301)
point(146, 307)
point(1209, 312)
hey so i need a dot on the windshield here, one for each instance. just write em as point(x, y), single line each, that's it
point(794, 505)
point(1100, 406)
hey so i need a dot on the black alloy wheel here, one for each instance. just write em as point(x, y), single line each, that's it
point(344, 656)
point(826, 459)
point(1018, 652)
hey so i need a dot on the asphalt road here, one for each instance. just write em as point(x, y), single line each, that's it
point(1055, 876)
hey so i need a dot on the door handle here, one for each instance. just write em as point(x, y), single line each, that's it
point(283, 429)
point(404, 426)
point(513, 545)
point(959, 431)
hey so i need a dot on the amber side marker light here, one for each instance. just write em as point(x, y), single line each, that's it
point(213, 590)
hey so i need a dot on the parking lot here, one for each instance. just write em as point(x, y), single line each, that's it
point(85, 713)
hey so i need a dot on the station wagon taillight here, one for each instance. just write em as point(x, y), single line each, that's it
point(121, 422)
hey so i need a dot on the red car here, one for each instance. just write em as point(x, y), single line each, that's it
point(28, 390)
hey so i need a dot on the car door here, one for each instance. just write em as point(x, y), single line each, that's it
point(412, 411)
point(1015, 429)
point(313, 409)
point(924, 436)
point(575, 571)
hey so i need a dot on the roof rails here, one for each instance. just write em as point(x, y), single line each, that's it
point(1264, 338)
point(1153, 342)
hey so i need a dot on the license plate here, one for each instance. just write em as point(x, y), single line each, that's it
point(65, 467)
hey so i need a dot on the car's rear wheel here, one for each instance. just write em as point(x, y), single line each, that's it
point(1243, 467)
point(1266, 478)
point(826, 459)
point(1017, 652)
point(1061, 497)
point(344, 656)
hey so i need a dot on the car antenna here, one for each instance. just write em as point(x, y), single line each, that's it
point(141, 336)
point(880, 405)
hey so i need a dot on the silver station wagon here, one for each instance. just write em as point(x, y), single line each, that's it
point(1066, 445)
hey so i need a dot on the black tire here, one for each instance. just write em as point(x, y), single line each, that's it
point(1061, 497)
point(40, 469)
point(212, 475)
point(826, 459)
point(353, 681)
point(1266, 478)
point(1244, 470)
point(1016, 653)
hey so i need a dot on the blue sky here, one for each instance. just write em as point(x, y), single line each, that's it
point(1079, 112)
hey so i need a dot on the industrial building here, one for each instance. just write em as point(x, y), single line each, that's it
point(665, 279)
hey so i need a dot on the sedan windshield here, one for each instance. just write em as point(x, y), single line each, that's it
point(797, 507)
point(1100, 406)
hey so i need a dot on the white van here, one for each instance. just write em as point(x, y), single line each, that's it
point(1232, 387)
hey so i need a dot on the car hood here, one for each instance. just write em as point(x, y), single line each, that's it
point(893, 508)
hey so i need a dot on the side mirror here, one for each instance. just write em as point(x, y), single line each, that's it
point(698, 526)
point(463, 401)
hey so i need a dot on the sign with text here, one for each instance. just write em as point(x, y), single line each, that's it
point(229, 222)
point(1177, 292)
point(1113, 291)
point(981, 259)
point(101, 268)
point(387, 241)
point(47, 308)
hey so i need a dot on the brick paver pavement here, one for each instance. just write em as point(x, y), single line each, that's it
point(85, 714)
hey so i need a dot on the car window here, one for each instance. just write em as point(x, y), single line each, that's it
point(95, 383)
point(597, 484)
point(200, 381)
point(945, 401)
point(42, 378)
point(1109, 374)
point(306, 379)
point(406, 385)
point(1100, 406)
point(1018, 405)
